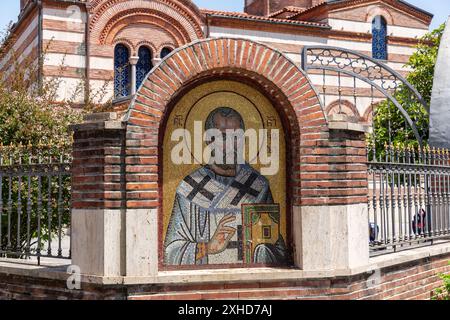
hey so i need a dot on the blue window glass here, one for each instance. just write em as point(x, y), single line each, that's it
point(144, 65)
point(121, 71)
point(165, 52)
point(379, 38)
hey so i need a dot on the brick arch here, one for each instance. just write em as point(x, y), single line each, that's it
point(375, 11)
point(267, 69)
point(148, 45)
point(165, 45)
point(347, 107)
point(126, 43)
point(106, 13)
point(144, 16)
point(368, 114)
point(95, 4)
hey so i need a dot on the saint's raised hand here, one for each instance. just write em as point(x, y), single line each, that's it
point(222, 236)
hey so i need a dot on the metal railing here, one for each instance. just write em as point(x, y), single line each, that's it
point(35, 201)
point(409, 198)
point(352, 71)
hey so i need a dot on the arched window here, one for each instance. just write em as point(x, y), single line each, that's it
point(121, 71)
point(379, 38)
point(144, 65)
point(165, 52)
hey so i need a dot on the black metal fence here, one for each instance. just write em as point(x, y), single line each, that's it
point(350, 78)
point(35, 201)
point(409, 198)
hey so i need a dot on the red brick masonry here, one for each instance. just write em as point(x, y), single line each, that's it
point(325, 167)
point(412, 280)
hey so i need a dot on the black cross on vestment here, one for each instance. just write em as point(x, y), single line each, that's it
point(239, 244)
point(199, 188)
point(244, 189)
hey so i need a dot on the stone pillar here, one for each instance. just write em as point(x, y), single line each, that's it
point(98, 215)
point(155, 61)
point(133, 62)
point(108, 239)
point(331, 223)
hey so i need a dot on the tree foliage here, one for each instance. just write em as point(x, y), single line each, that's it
point(390, 126)
point(35, 128)
point(443, 293)
point(29, 113)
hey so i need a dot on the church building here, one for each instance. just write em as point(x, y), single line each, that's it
point(296, 204)
point(109, 46)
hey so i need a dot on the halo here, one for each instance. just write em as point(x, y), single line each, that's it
point(201, 109)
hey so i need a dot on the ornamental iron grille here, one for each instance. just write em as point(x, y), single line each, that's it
point(35, 186)
point(143, 66)
point(409, 200)
point(350, 76)
point(121, 71)
point(379, 38)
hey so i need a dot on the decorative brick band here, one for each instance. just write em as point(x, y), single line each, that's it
point(324, 167)
point(144, 16)
point(178, 15)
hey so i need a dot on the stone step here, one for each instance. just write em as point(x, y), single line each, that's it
point(266, 294)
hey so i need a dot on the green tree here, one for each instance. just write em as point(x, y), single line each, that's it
point(443, 293)
point(390, 126)
point(34, 129)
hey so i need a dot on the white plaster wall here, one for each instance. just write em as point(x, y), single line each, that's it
point(366, 27)
point(72, 14)
point(68, 89)
point(263, 36)
point(278, 37)
point(102, 63)
point(67, 36)
point(101, 91)
point(65, 60)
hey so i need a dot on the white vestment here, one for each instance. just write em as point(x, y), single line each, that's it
point(203, 198)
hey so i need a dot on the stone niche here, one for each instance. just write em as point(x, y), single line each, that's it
point(154, 202)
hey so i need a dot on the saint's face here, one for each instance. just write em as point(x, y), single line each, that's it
point(223, 124)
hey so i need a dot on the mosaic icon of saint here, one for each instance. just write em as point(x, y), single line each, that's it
point(206, 222)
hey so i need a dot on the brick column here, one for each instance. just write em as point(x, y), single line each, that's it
point(98, 203)
point(331, 224)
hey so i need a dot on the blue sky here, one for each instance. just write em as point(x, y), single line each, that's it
point(9, 9)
